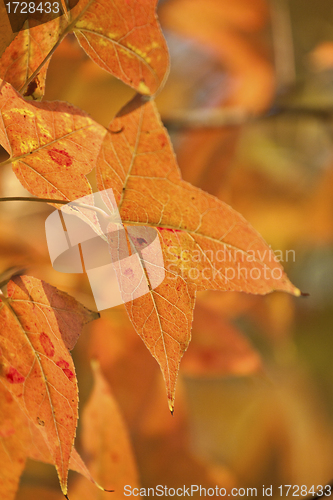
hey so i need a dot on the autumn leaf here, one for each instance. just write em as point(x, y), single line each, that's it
point(24, 55)
point(38, 325)
point(107, 445)
point(206, 243)
point(52, 145)
point(161, 315)
point(22, 439)
point(124, 38)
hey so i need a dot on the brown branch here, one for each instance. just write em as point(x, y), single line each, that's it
point(283, 43)
point(231, 117)
point(59, 202)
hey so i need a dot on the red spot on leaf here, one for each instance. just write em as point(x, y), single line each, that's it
point(60, 156)
point(47, 345)
point(128, 272)
point(14, 377)
point(65, 368)
point(7, 432)
point(68, 373)
point(62, 363)
point(168, 229)
point(163, 140)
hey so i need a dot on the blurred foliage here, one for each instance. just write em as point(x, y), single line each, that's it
point(269, 422)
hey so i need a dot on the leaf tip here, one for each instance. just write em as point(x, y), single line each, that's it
point(103, 489)
point(95, 315)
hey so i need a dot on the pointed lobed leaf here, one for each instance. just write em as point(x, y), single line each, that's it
point(52, 145)
point(159, 304)
point(163, 320)
point(206, 243)
point(125, 39)
point(204, 239)
point(38, 323)
point(26, 52)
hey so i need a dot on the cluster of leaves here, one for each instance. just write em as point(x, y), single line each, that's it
point(52, 147)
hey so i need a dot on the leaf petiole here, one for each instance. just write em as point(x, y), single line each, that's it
point(59, 202)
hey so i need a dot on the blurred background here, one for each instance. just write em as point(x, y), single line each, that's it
point(249, 106)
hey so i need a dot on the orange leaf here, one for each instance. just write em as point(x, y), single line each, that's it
point(38, 324)
point(137, 161)
point(206, 243)
point(163, 320)
point(124, 38)
point(52, 145)
point(106, 442)
point(26, 53)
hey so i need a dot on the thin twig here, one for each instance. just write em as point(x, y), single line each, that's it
point(202, 117)
point(283, 43)
point(229, 117)
point(59, 202)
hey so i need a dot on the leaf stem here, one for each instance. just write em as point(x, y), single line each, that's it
point(229, 117)
point(59, 202)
